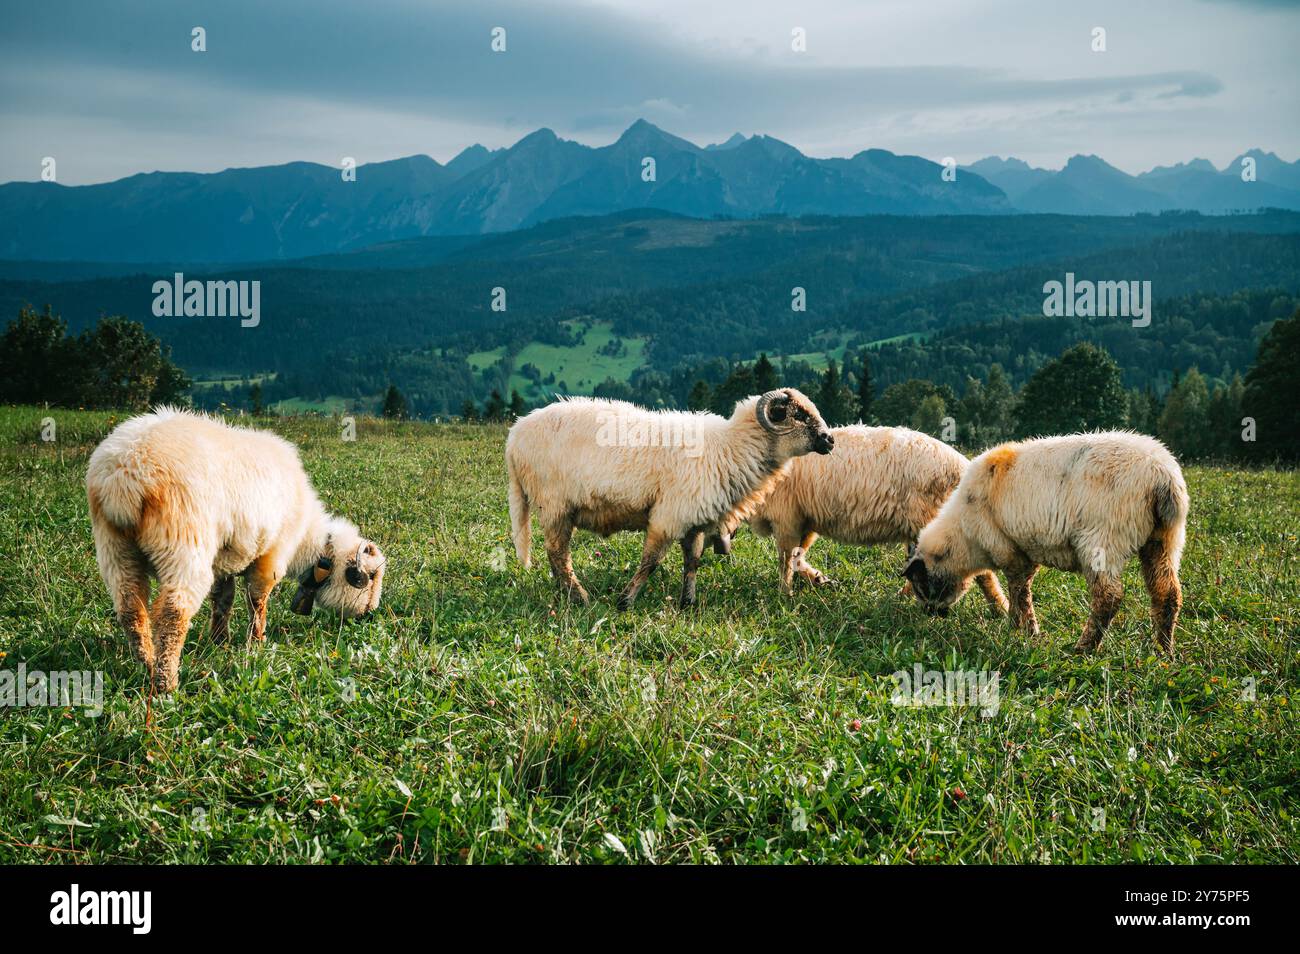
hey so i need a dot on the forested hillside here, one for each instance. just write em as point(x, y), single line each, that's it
point(692, 292)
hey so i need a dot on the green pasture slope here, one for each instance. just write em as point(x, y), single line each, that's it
point(580, 367)
point(479, 718)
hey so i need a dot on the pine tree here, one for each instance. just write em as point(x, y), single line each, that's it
point(518, 407)
point(469, 411)
point(495, 409)
point(738, 386)
point(866, 388)
point(765, 378)
point(701, 398)
point(1269, 396)
point(1185, 421)
point(395, 407)
point(834, 400)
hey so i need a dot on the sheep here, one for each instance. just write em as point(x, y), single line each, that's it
point(1083, 503)
point(608, 466)
point(193, 502)
point(882, 485)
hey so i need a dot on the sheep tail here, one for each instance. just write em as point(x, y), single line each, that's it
point(1170, 505)
point(1170, 502)
point(521, 528)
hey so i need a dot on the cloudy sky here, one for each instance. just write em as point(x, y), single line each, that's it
point(111, 89)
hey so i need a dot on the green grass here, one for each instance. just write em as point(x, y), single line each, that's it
point(478, 717)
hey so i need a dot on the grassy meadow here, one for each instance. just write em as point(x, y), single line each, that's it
point(477, 717)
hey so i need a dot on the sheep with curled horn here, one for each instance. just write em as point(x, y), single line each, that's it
point(606, 466)
point(193, 502)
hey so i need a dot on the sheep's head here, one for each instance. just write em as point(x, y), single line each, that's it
point(348, 576)
point(794, 424)
point(938, 568)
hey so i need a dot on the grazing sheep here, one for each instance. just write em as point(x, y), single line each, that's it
point(192, 501)
point(608, 466)
point(882, 485)
point(1084, 503)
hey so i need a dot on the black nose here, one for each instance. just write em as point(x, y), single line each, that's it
point(356, 578)
point(824, 443)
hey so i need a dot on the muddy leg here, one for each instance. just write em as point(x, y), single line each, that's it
point(692, 548)
point(656, 545)
point(1166, 593)
point(126, 575)
point(170, 615)
point(223, 599)
point(1020, 580)
point(988, 584)
point(558, 535)
point(1107, 592)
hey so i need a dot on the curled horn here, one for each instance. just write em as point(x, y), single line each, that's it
point(761, 410)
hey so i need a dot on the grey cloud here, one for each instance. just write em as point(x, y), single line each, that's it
point(576, 68)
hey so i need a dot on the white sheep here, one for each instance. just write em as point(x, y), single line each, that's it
point(608, 466)
point(882, 485)
point(1084, 503)
point(191, 501)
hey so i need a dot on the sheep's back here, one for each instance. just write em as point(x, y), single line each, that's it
point(880, 484)
point(1076, 493)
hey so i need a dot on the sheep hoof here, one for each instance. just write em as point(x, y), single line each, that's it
point(165, 679)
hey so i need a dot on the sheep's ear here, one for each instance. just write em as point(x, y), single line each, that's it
point(305, 598)
point(914, 570)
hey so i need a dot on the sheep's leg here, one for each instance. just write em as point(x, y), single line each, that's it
point(785, 569)
point(1020, 579)
point(223, 599)
point(179, 598)
point(1166, 593)
point(558, 534)
point(656, 545)
point(988, 584)
point(722, 543)
point(788, 558)
point(126, 574)
point(1107, 593)
point(809, 572)
point(259, 583)
point(692, 549)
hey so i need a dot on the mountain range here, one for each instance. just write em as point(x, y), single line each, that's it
point(1090, 186)
point(303, 209)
